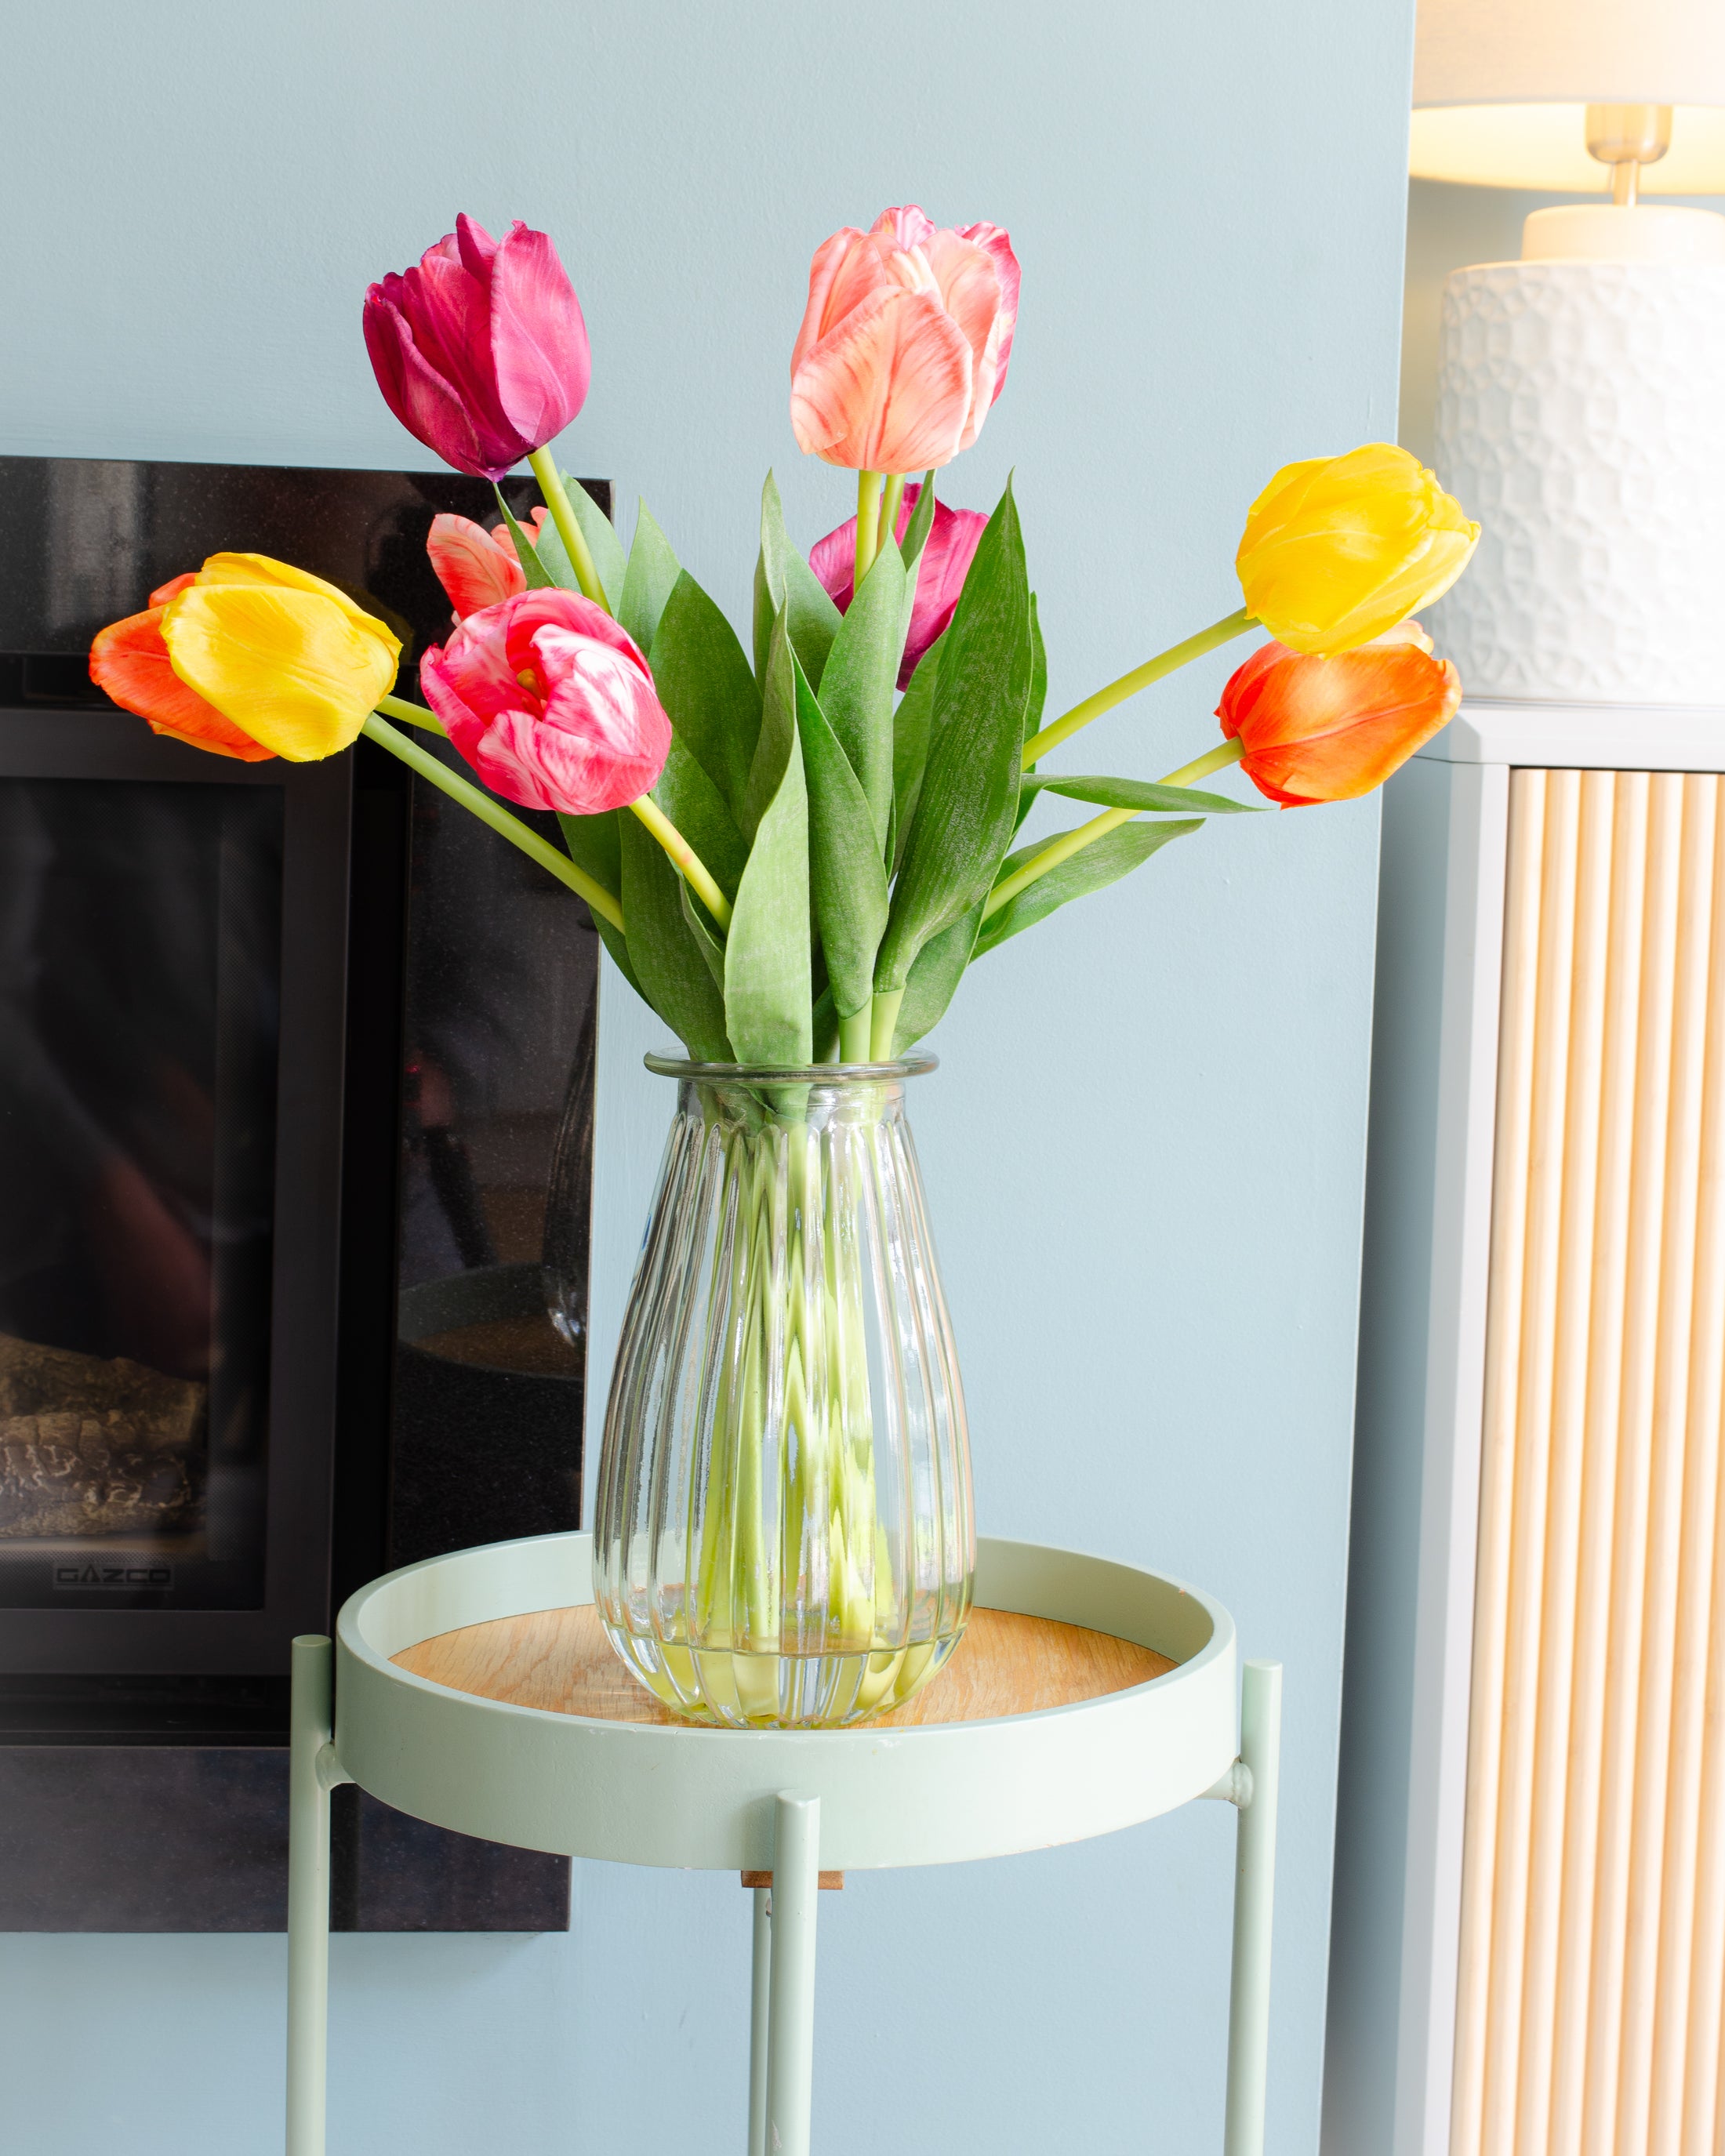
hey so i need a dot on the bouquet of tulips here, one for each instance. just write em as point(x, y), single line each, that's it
point(795, 838)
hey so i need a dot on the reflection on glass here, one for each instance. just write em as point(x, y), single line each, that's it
point(140, 969)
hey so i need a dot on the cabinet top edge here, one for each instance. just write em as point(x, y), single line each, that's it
point(1550, 734)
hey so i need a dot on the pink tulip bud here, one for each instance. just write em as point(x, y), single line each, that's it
point(481, 351)
point(477, 568)
point(940, 570)
point(904, 342)
point(550, 703)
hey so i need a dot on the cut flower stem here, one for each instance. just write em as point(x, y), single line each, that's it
point(868, 525)
point(1153, 669)
point(683, 858)
point(480, 804)
point(1070, 842)
point(568, 525)
point(412, 715)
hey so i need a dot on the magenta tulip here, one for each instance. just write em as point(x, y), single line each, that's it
point(904, 342)
point(550, 703)
point(941, 570)
point(481, 352)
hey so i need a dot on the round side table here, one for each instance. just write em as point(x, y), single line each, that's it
point(478, 1691)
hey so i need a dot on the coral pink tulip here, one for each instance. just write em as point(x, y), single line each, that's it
point(1316, 729)
point(477, 568)
point(550, 703)
point(904, 342)
point(941, 570)
point(481, 351)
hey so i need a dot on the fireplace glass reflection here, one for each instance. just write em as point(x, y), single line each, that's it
point(140, 980)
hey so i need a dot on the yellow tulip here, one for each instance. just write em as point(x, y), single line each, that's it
point(1338, 549)
point(288, 658)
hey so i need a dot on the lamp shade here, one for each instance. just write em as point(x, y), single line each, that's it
point(1500, 89)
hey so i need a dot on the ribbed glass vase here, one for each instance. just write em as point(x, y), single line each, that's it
point(785, 1535)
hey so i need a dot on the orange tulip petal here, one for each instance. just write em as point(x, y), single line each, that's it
point(129, 661)
point(970, 291)
point(889, 389)
point(172, 589)
point(1332, 729)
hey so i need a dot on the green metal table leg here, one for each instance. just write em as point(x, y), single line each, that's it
point(759, 1991)
point(1254, 1901)
point(790, 2017)
point(313, 1771)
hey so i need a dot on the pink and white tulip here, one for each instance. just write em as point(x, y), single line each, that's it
point(904, 342)
point(477, 568)
point(551, 702)
point(481, 351)
point(940, 570)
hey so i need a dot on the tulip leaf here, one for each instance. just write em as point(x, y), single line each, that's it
point(966, 809)
point(856, 691)
point(1147, 796)
point(825, 1028)
point(712, 949)
point(846, 876)
point(1116, 854)
point(918, 530)
point(768, 978)
point(595, 844)
point(670, 965)
point(653, 571)
point(697, 809)
point(705, 685)
point(934, 976)
point(784, 580)
point(602, 543)
point(1033, 709)
point(909, 745)
point(538, 576)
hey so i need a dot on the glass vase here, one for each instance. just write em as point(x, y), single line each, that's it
point(785, 1535)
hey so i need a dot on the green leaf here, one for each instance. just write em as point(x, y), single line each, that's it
point(539, 577)
point(1146, 795)
point(602, 543)
point(670, 965)
point(705, 684)
point(712, 949)
point(922, 523)
point(768, 978)
point(857, 690)
point(1116, 854)
point(696, 806)
point(939, 969)
point(846, 877)
point(909, 746)
point(593, 844)
point(1033, 709)
point(783, 581)
point(653, 570)
point(969, 799)
point(825, 1028)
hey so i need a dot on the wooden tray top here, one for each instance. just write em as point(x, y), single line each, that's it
point(560, 1661)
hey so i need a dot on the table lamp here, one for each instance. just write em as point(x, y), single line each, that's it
point(1581, 407)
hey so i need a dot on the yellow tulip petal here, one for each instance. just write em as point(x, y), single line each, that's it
point(264, 569)
point(289, 667)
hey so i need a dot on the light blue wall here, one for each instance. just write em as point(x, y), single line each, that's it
point(1144, 1146)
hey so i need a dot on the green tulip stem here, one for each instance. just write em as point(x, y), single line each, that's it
point(1068, 843)
point(855, 1034)
point(1153, 669)
point(868, 525)
point(889, 501)
point(568, 525)
point(884, 1023)
point(412, 715)
point(480, 804)
point(683, 858)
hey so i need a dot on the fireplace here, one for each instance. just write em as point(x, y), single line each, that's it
point(274, 1139)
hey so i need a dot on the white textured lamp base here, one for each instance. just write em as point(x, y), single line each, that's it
point(1581, 419)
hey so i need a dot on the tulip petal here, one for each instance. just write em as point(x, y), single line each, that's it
point(888, 389)
point(846, 266)
point(970, 291)
point(291, 667)
point(997, 245)
point(471, 566)
point(426, 403)
point(1316, 729)
point(129, 661)
point(909, 226)
point(540, 361)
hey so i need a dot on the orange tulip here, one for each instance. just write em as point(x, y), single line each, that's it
point(129, 660)
point(1332, 729)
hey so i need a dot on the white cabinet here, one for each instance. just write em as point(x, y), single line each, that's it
point(1529, 1946)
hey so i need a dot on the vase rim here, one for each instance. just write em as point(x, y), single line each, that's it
point(793, 1074)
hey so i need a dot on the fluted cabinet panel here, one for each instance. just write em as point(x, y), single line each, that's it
point(1592, 1960)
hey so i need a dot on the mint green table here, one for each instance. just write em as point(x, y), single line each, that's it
point(466, 1754)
